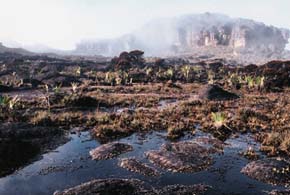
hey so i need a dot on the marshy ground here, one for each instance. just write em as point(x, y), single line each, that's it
point(147, 126)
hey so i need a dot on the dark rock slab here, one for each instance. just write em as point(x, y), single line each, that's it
point(214, 92)
point(136, 166)
point(272, 171)
point(107, 187)
point(110, 150)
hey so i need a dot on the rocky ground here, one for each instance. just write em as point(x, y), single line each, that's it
point(43, 99)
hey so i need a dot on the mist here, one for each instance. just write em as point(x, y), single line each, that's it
point(62, 24)
point(288, 46)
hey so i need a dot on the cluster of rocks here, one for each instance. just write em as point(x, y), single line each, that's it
point(184, 156)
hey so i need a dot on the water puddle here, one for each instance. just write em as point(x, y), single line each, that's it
point(15, 154)
point(70, 165)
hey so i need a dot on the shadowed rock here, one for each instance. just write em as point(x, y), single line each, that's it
point(110, 150)
point(106, 187)
point(272, 171)
point(214, 92)
point(4, 88)
point(182, 157)
point(136, 166)
point(21, 143)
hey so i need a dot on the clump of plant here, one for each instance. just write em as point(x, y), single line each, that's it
point(56, 89)
point(110, 78)
point(210, 76)
point(46, 96)
point(78, 71)
point(74, 87)
point(219, 119)
point(186, 71)
point(235, 81)
point(4, 101)
point(260, 82)
point(250, 81)
point(9, 102)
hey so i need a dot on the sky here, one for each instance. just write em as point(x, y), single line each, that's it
point(63, 23)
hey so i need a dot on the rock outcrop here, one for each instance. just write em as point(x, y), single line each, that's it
point(201, 34)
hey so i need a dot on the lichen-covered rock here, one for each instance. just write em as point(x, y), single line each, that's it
point(108, 186)
point(110, 150)
point(136, 166)
point(272, 171)
point(182, 157)
point(214, 92)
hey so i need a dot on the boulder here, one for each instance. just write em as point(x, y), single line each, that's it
point(214, 92)
point(273, 171)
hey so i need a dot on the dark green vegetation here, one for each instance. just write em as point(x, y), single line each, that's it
point(43, 98)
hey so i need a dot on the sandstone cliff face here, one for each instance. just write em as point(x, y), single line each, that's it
point(237, 36)
point(241, 35)
point(205, 32)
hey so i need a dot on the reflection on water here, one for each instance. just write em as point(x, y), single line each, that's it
point(71, 165)
point(14, 154)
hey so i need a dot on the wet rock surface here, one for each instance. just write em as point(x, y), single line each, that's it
point(183, 156)
point(135, 165)
point(108, 186)
point(130, 187)
point(110, 150)
point(272, 171)
point(214, 92)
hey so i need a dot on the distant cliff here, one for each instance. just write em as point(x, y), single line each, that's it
point(204, 32)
